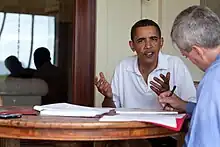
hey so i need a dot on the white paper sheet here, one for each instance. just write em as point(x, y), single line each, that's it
point(167, 120)
point(142, 111)
point(65, 109)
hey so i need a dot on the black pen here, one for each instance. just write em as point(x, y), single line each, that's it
point(174, 87)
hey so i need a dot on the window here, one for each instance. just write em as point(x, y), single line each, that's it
point(16, 37)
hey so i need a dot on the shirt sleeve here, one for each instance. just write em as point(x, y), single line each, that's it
point(190, 107)
point(204, 129)
point(185, 85)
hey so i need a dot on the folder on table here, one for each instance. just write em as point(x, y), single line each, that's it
point(170, 121)
point(179, 124)
point(24, 110)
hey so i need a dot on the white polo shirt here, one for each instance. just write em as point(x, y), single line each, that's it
point(131, 91)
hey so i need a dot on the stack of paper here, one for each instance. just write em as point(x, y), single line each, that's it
point(142, 111)
point(171, 120)
point(168, 119)
point(64, 109)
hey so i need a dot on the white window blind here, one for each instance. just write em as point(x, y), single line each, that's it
point(16, 37)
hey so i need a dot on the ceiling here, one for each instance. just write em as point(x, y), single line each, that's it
point(60, 8)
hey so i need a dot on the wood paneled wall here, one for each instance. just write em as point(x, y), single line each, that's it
point(84, 31)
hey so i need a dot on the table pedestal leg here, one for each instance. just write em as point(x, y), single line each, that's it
point(7, 142)
point(66, 144)
point(180, 140)
point(74, 144)
point(123, 143)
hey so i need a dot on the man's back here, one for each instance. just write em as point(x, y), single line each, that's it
point(205, 124)
point(57, 84)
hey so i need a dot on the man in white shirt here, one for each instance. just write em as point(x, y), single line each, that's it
point(134, 84)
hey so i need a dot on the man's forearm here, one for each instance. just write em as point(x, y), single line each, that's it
point(108, 102)
point(182, 106)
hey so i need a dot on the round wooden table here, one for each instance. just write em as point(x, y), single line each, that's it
point(74, 129)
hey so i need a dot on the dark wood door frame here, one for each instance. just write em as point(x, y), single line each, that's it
point(83, 55)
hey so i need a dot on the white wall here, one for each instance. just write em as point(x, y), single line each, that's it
point(212, 4)
point(114, 20)
point(169, 12)
point(166, 11)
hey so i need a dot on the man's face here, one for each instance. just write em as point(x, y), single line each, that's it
point(195, 57)
point(147, 44)
point(37, 62)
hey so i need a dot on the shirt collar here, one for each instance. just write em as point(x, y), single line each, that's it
point(217, 60)
point(162, 64)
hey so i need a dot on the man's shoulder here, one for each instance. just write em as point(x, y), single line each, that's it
point(174, 61)
point(213, 73)
point(29, 70)
point(50, 68)
point(128, 61)
point(172, 58)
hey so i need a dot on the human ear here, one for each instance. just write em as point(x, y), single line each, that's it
point(161, 42)
point(198, 51)
point(131, 46)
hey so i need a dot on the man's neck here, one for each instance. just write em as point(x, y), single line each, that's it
point(214, 53)
point(45, 64)
point(146, 69)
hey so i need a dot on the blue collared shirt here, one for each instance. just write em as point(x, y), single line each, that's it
point(204, 130)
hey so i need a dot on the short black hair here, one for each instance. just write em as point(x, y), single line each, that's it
point(42, 53)
point(12, 61)
point(144, 23)
point(41, 56)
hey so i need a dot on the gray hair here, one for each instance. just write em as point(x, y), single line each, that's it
point(196, 25)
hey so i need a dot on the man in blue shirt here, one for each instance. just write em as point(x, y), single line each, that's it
point(196, 32)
